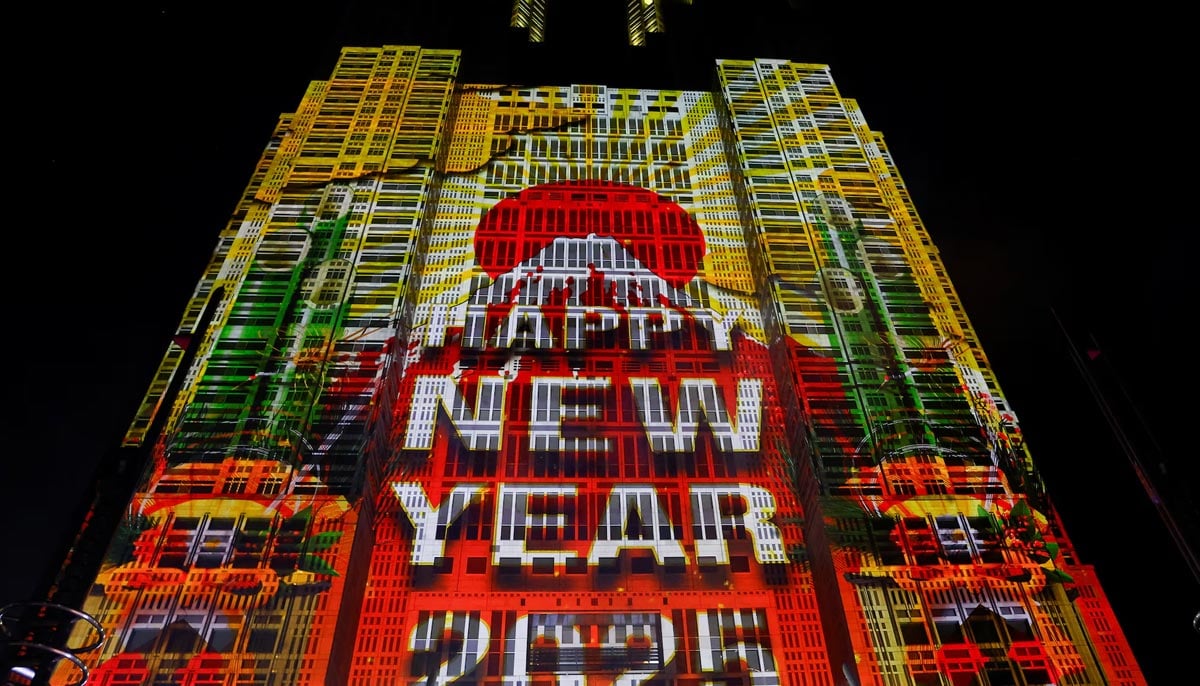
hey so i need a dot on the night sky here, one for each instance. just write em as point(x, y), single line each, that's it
point(1045, 151)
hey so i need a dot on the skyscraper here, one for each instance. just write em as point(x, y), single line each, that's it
point(509, 384)
point(167, 181)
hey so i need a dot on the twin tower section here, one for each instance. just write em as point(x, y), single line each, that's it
point(506, 384)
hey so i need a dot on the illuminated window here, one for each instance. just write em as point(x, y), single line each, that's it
point(144, 631)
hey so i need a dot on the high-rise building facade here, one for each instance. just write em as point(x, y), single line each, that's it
point(571, 384)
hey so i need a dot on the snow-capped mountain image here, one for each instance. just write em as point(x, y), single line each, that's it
point(575, 286)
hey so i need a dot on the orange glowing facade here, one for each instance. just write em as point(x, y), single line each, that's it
point(571, 384)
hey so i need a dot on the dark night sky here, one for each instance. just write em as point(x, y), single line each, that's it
point(1044, 150)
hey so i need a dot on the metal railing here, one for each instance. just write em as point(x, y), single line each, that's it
point(35, 643)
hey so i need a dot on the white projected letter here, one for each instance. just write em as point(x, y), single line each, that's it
point(708, 523)
point(699, 398)
point(549, 411)
point(513, 520)
point(429, 636)
point(656, 532)
point(427, 545)
point(478, 429)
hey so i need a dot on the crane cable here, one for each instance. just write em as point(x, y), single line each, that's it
point(1189, 556)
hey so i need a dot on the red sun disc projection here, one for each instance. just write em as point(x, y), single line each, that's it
point(656, 230)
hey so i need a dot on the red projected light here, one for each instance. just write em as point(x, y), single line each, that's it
point(657, 231)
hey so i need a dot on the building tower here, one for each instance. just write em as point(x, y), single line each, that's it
point(523, 385)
